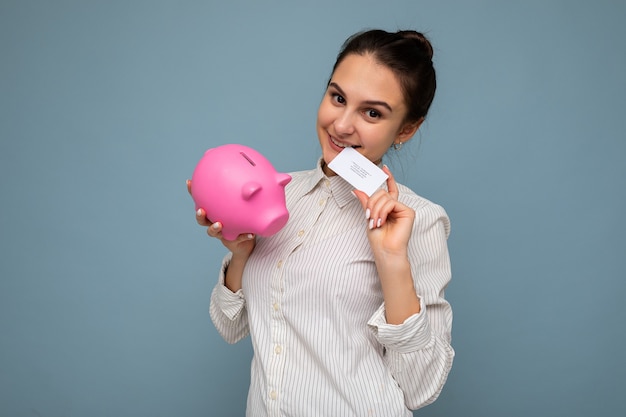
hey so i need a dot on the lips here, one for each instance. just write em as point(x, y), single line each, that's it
point(341, 144)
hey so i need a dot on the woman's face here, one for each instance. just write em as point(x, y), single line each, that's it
point(363, 108)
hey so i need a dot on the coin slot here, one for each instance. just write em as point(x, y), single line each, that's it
point(248, 159)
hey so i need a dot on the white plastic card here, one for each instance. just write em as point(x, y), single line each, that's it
point(359, 171)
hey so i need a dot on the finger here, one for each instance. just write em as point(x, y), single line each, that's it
point(363, 198)
point(376, 200)
point(392, 186)
point(386, 212)
point(380, 210)
point(201, 218)
point(215, 230)
point(245, 236)
point(189, 186)
point(367, 202)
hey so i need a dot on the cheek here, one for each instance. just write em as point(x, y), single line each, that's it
point(324, 115)
point(377, 137)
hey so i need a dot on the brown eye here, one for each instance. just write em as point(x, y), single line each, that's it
point(338, 98)
point(373, 114)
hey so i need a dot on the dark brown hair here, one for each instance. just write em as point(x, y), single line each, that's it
point(408, 54)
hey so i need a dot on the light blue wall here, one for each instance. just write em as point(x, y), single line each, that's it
point(105, 107)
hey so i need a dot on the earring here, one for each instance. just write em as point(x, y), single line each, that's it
point(397, 146)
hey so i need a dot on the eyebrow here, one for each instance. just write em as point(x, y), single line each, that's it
point(368, 102)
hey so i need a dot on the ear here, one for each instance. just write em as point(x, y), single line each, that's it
point(249, 189)
point(408, 130)
point(283, 179)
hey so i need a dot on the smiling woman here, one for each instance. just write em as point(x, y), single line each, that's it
point(345, 305)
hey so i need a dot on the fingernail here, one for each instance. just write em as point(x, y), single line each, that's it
point(216, 225)
point(379, 222)
point(199, 212)
point(250, 236)
point(371, 224)
point(367, 213)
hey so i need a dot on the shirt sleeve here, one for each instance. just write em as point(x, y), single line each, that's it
point(228, 309)
point(418, 352)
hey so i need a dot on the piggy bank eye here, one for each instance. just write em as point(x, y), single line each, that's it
point(249, 189)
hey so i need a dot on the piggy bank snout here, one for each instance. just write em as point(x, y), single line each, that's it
point(273, 222)
point(264, 223)
point(265, 212)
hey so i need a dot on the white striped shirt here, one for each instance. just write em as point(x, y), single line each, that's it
point(312, 302)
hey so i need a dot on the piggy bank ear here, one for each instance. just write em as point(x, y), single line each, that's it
point(283, 179)
point(249, 189)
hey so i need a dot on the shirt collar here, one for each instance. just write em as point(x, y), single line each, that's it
point(340, 189)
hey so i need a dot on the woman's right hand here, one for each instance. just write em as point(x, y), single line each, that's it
point(241, 247)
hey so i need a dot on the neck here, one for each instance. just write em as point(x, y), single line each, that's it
point(329, 172)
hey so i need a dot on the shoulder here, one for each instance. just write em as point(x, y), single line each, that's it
point(301, 179)
point(298, 176)
point(301, 183)
point(416, 202)
point(427, 213)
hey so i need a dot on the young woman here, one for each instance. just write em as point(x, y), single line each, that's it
point(345, 305)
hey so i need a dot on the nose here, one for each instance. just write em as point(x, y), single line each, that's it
point(344, 125)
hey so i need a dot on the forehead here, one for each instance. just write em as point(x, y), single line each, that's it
point(361, 77)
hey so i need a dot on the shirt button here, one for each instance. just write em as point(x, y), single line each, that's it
point(276, 306)
point(300, 233)
point(273, 395)
point(279, 264)
point(278, 350)
point(321, 202)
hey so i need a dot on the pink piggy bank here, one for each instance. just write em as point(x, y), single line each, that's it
point(238, 187)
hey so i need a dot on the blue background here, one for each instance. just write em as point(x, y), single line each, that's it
point(106, 106)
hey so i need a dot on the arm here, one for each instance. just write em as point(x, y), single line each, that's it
point(390, 228)
point(414, 322)
point(418, 351)
point(228, 309)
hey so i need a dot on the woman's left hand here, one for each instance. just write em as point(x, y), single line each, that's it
point(389, 222)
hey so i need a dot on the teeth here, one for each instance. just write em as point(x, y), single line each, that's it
point(338, 144)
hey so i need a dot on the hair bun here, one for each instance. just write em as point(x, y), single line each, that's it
point(408, 54)
point(420, 39)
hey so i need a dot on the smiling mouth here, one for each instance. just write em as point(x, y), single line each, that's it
point(341, 145)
